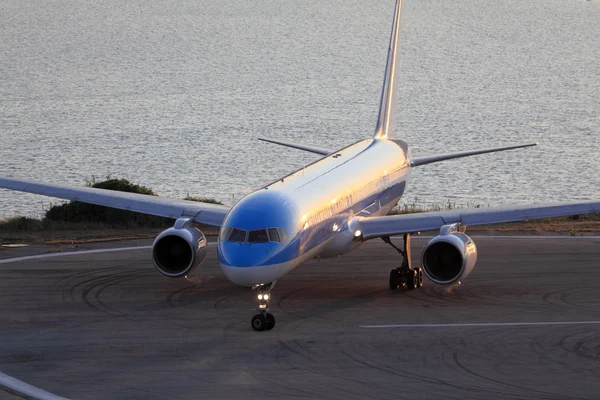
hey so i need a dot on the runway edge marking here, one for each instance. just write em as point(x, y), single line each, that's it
point(10, 384)
point(71, 253)
point(74, 253)
point(481, 324)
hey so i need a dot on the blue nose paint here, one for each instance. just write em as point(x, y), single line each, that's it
point(263, 209)
point(260, 210)
point(243, 255)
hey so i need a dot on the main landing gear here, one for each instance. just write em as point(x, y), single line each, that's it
point(264, 321)
point(404, 275)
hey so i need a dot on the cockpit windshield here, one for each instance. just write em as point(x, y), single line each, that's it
point(274, 235)
point(256, 236)
point(237, 235)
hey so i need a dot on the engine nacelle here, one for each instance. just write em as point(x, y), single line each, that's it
point(179, 250)
point(449, 257)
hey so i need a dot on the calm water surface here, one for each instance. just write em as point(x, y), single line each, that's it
point(172, 94)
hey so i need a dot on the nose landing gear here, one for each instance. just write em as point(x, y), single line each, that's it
point(264, 321)
point(404, 276)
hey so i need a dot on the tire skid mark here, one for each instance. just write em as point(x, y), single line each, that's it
point(518, 389)
point(381, 367)
point(88, 286)
point(90, 295)
point(309, 360)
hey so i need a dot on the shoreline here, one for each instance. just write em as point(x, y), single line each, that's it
point(88, 234)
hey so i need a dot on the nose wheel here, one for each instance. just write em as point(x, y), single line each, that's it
point(405, 276)
point(264, 320)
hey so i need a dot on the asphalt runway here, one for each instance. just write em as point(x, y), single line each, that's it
point(524, 325)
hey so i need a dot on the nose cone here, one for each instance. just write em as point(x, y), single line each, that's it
point(250, 264)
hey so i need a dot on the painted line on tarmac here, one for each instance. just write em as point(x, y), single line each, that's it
point(534, 237)
point(10, 384)
point(413, 236)
point(75, 253)
point(71, 253)
point(482, 324)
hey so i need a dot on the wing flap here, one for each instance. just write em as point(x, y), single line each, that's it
point(408, 223)
point(205, 213)
point(416, 161)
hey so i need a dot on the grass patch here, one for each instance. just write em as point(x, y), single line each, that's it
point(414, 208)
point(202, 199)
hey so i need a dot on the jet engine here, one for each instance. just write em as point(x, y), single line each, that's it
point(179, 250)
point(449, 257)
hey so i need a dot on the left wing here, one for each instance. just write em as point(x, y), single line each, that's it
point(205, 213)
point(374, 227)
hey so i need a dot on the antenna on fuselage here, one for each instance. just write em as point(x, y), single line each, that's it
point(386, 121)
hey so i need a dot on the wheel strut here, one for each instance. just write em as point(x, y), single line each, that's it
point(404, 275)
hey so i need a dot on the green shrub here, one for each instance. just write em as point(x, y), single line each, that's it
point(20, 224)
point(75, 211)
point(202, 199)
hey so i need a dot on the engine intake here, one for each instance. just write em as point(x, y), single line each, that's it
point(179, 250)
point(449, 257)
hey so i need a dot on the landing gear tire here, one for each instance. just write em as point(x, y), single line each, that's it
point(395, 280)
point(259, 322)
point(419, 277)
point(412, 279)
point(263, 322)
point(270, 321)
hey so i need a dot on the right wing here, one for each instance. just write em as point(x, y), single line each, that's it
point(205, 213)
point(373, 227)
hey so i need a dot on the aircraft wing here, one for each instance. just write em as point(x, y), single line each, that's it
point(373, 227)
point(205, 213)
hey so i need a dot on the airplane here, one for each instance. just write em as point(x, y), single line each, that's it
point(325, 209)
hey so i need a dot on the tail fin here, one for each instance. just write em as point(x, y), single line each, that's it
point(387, 108)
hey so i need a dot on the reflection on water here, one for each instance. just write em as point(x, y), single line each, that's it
point(172, 94)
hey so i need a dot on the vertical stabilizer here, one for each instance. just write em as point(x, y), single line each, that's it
point(387, 108)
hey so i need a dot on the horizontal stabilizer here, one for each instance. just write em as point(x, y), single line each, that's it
point(416, 161)
point(312, 149)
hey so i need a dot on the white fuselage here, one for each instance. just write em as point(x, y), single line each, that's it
point(315, 206)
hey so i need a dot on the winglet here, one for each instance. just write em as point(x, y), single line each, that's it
point(387, 106)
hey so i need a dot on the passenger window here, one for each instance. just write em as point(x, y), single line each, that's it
point(274, 235)
point(237, 235)
point(258, 236)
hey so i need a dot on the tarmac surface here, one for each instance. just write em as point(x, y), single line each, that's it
point(524, 325)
